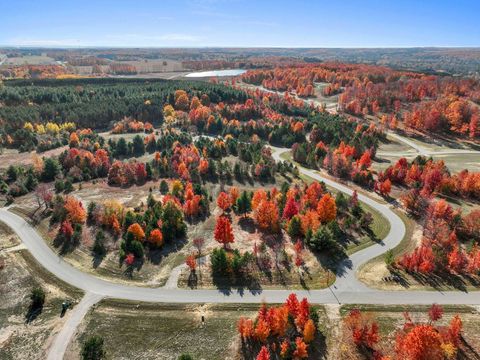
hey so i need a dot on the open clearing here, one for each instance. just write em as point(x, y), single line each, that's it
point(8, 239)
point(19, 275)
point(13, 157)
point(30, 60)
point(150, 331)
point(451, 153)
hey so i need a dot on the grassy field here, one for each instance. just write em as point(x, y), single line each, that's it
point(380, 228)
point(389, 152)
point(30, 60)
point(13, 157)
point(8, 238)
point(455, 162)
point(317, 277)
point(390, 319)
point(372, 272)
point(154, 331)
point(19, 275)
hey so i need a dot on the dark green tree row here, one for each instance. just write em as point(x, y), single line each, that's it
point(95, 103)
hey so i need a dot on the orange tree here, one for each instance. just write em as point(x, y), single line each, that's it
point(286, 331)
point(223, 231)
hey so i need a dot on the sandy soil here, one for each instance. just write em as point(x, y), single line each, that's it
point(19, 340)
point(13, 157)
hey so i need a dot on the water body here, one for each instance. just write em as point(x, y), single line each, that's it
point(213, 73)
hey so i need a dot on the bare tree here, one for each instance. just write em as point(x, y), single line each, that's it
point(198, 243)
point(44, 196)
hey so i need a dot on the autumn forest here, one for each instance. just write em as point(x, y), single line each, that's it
point(307, 208)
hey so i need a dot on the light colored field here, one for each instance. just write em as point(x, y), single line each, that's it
point(30, 60)
point(20, 274)
point(13, 157)
point(8, 238)
point(145, 331)
point(456, 158)
point(157, 65)
point(151, 331)
point(459, 162)
point(160, 75)
point(145, 67)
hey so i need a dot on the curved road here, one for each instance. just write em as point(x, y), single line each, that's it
point(347, 289)
point(422, 150)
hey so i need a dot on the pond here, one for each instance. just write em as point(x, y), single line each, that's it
point(213, 73)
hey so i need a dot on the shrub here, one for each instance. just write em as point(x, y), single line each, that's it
point(38, 298)
point(99, 246)
point(92, 348)
point(185, 357)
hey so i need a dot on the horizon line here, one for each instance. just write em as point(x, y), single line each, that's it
point(234, 47)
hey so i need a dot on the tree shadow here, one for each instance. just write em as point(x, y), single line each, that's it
point(441, 280)
point(397, 277)
point(381, 160)
point(318, 347)
point(337, 262)
point(227, 284)
point(155, 255)
point(466, 351)
point(64, 245)
point(34, 310)
point(97, 260)
point(192, 281)
point(130, 269)
point(341, 268)
point(247, 224)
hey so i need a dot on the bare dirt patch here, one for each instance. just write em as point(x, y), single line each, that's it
point(13, 157)
point(8, 238)
point(150, 331)
point(18, 339)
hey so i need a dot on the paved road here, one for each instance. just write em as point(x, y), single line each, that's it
point(347, 288)
point(419, 149)
point(422, 150)
point(74, 318)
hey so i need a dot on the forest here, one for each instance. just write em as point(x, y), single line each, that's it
point(95, 103)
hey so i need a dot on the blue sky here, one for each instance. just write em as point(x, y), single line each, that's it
point(240, 23)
